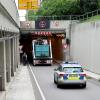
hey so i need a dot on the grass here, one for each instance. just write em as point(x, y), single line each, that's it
point(88, 77)
point(94, 18)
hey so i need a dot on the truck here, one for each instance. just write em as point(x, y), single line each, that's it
point(42, 52)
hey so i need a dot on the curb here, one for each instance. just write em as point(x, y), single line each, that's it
point(90, 77)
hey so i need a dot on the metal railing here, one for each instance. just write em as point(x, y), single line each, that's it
point(60, 17)
point(83, 17)
point(88, 15)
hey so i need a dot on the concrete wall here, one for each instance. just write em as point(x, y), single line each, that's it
point(2, 65)
point(27, 24)
point(9, 60)
point(9, 16)
point(11, 8)
point(9, 47)
point(54, 24)
point(62, 24)
point(85, 45)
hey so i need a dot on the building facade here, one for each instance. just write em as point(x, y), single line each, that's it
point(9, 41)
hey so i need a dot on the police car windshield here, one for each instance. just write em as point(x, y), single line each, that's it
point(72, 69)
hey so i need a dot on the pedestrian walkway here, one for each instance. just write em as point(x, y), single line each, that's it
point(20, 88)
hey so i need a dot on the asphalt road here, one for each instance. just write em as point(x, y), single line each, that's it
point(49, 90)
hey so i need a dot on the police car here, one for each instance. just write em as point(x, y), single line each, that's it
point(70, 73)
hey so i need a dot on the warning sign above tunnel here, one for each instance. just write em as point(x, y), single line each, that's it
point(42, 24)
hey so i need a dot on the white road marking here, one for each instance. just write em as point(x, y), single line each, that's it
point(41, 92)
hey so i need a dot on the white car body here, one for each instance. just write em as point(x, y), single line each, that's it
point(70, 73)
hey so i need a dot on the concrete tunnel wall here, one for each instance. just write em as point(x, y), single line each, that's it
point(9, 41)
point(54, 25)
point(85, 45)
point(9, 60)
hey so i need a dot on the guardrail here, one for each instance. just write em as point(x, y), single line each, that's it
point(68, 17)
point(83, 17)
point(60, 17)
point(88, 15)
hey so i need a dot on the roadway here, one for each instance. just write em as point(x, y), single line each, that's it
point(45, 89)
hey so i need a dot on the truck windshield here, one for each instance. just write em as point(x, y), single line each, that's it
point(42, 50)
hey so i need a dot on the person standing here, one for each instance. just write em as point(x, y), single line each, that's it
point(24, 58)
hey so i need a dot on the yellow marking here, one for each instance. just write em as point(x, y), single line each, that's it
point(73, 78)
point(28, 4)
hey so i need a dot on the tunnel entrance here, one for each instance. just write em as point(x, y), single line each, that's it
point(57, 50)
point(56, 42)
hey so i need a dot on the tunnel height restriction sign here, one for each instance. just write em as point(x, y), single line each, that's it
point(28, 4)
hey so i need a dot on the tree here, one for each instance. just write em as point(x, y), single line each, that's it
point(59, 7)
point(64, 7)
point(88, 5)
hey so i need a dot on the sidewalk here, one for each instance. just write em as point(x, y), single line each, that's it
point(20, 88)
point(92, 75)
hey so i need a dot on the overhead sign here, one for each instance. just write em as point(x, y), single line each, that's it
point(42, 24)
point(28, 4)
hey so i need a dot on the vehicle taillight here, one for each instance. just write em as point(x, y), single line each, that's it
point(82, 74)
point(61, 75)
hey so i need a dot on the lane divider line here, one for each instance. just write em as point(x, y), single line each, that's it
point(40, 90)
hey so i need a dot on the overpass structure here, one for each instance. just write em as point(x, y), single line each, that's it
point(56, 31)
point(9, 41)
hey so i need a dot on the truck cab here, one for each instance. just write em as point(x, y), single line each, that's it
point(42, 52)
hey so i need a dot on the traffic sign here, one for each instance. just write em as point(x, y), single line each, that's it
point(28, 4)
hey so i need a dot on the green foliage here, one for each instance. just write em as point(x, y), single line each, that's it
point(94, 18)
point(31, 15)
point(64, 7)
point(89, 5)
point(99, 3)
point(59, 7)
